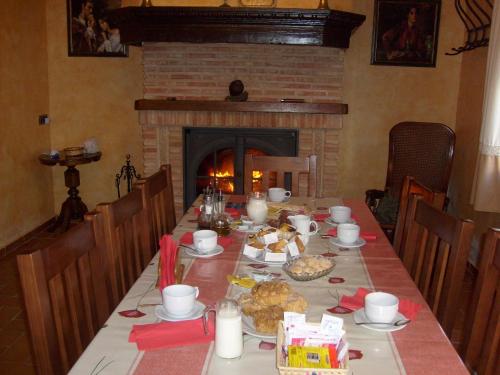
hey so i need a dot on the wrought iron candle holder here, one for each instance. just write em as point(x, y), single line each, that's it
point(127, 173)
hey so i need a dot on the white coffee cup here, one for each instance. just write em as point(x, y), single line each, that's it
point(303, 224)
point(179, 299)
point(277, 194)
point(348, 233)
point(205, 240)
point(381, 307)
point(340, 214)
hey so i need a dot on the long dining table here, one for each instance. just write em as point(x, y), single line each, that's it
point(420, 348)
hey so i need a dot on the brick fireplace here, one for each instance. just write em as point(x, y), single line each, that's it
point(202, 72)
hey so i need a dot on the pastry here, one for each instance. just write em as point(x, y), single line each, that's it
point(278, 247)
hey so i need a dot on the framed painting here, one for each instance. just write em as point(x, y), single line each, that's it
point(90, 30)
point(405, 32)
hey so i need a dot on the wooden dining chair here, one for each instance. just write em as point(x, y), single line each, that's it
point(480, 348)
point(281, 165)
point(158, 198)
point(128, 241)
point(411, 186)
point(435, 254)
point(65, 295)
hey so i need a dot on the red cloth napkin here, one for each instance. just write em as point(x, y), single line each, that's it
point(168, 255)
point(187, 238)
point(171, 334)
point(368, 236)
point(321, 217)
point(233, 212)
point(408, 308)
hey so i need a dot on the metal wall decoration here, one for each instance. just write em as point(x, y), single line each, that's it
point(477, 20)
point(127, 173)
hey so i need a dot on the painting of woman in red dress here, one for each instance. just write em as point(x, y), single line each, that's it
point(405, 32)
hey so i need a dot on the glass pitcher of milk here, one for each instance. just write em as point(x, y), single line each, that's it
point(257, 207)
point(228, 329)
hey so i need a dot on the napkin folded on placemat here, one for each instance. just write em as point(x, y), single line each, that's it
point(367, 236)
point(320, 217)
point(406, 307)
point(233, 212)
point(171, 334)
point(168, 256)
point(187, 238)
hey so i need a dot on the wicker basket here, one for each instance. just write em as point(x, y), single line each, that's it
point(285, 370)
point(307, 277)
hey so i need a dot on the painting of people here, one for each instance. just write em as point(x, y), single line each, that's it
point(90, 30)
point(405, 32)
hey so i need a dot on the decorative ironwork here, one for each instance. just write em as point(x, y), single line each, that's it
point(477, 21)
point(128, 173)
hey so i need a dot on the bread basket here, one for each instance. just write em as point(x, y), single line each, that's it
point(308, 276)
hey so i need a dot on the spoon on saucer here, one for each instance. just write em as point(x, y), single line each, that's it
point(397, 323)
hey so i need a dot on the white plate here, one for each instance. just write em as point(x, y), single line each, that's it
point(196, 313)
point(253, 229)
point(360, 316)
point(249, 328)
point(358, 243)
point(218, 249)
point(330, 221)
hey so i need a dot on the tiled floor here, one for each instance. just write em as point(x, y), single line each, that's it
point(15, 351)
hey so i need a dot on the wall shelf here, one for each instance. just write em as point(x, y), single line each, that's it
point(223, 106)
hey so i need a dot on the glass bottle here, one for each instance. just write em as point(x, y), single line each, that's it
point(220, 222)
point(206, 211)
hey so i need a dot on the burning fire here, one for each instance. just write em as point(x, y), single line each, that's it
point(225, 185)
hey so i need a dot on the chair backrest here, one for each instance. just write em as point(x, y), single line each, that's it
point(66, 303)
point(480, 346)
point(128, 241)
point(158, 198)
point(435, 255)
point(280, 165)
point(412, 186)
point(423, 150)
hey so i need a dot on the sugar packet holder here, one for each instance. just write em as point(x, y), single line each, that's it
point(305, 347)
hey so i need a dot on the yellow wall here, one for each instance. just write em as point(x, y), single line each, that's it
point(25, 185)
point(92, 97)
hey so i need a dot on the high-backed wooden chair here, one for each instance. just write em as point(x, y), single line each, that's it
point(128, 241)
point(158, 198)
point(423, 150)
point(435, 255)
point(281, 165)
point(480, 346)
point(411, 186)
point(65, 295)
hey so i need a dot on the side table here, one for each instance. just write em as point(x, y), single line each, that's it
point(73, 207)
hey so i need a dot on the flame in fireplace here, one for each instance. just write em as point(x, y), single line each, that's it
point(226, 185)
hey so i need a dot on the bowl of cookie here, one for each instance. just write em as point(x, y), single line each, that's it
point(308, 267)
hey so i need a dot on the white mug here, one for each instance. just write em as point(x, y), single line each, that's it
point(340, 214)
point(205, 240)
point(179, 299)
point(348, 233)
point(303, 224)
point(277, 194)
point(381, 307)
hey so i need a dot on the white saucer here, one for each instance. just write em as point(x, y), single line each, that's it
point(330, 221)
point(218, 249)
point(249, 328)
point(360, 316)
point(196, 313)
point(261, 258)
point(358, 243)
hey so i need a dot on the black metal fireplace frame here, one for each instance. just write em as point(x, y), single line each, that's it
point(198, 142)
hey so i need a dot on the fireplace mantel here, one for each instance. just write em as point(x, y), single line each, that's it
point(227, 106)
point(319, 27)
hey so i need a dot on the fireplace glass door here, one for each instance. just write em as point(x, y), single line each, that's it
point(215, 156)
